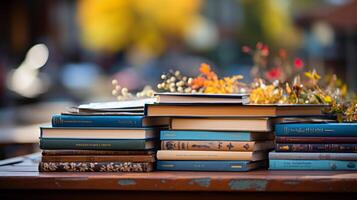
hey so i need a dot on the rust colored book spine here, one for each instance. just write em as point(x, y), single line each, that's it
point(346, 148)
point(95, 167)
point(346, 140)
point(207, 145)
point(102, 158)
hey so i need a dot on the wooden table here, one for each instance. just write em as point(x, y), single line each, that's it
point(20, 178)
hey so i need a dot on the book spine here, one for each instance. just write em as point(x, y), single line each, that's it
point(67, 152)
point(95, 167)
point(233, 166)
point(205, 135)
point(203, 155)
point(316, 147)
point(92, 144)
point(102, 158)
point(97, 121)
point(316, 130)
point(312, 165)
point(347, 140)
point(207, 145)
point(312, 156)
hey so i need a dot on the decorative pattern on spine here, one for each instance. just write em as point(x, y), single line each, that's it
point(207, 145)
point(95, 167)
point(317, 147)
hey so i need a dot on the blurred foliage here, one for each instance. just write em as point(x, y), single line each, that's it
point(112, 25)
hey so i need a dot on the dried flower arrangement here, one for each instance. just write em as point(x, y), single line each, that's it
point(285, 83)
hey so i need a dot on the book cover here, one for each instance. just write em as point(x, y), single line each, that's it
point(169, 97)
point(312, 156)
point(101, 158)
point(95, 167)
point(348, 148)
point(107, 121)
point(64, 152)
point(216, 145)
point(330, 165)
point(213, 135)
point(211, 155)
point(253, 124)
point(336, 140)
point(98, 133)
point(93, 144)
point(230, 166)
point(317, 130)
point(232, 110)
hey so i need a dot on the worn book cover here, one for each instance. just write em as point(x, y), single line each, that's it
point(96, 166)
point(101, 158)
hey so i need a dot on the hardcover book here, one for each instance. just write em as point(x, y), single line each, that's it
point(230, 166)
point(316, 147)
point(93, 144)
point(231, 110)
point(317, 130)
point(222, 124)
point(107, 121)
point(331, 165)
point(169, 97)
point(96, 166)
point(336, 140)
point(211, 155)
point(312, 156)
point(216, 145)
point(214, 135)
point(101, 158)
point(63, 152)
point(98, 133)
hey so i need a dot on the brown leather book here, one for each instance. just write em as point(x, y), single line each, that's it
point(231, 110)
point(94, 152)
point(101, 158)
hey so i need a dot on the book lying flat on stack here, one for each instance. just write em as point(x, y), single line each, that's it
point(100, 143)
point(315, 146)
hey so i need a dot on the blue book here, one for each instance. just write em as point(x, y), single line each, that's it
point(317, 129)
point(107, 121)
point(312, 165)
point(232, 166)
point(213, 135)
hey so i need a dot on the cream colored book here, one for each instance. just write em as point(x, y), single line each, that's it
point(211, 155)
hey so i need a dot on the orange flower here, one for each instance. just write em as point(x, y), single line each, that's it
point(205, 69)
point(198, 82)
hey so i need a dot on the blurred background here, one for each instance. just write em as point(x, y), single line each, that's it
point(59, 53)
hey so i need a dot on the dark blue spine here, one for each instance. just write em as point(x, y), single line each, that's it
point(233, 166)
point(317, 130)
point(97, 121)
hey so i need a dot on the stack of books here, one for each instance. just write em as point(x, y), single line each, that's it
point(99, 138)
point(217, 132)
point(315, 146)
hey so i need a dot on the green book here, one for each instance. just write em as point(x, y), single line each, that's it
point(96, 144)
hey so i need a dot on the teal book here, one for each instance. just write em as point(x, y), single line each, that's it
point(107, 121)
point(213, 135)
point(231, 166)
point(329, 165)
point(96, 144)
point(317, 130)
